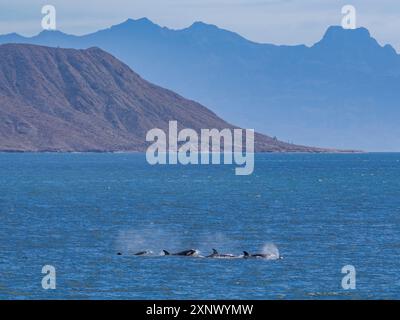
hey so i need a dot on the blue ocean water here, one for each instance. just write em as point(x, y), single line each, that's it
point(76, 211)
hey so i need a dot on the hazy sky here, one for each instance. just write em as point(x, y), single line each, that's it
point(273, 21)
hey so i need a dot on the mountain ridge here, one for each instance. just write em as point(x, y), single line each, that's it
point(341, 92)
point(68, 100)
point(196, 25)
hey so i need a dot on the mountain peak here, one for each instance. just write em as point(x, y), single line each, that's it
point(199, 25)
point(334, 32)
point(11, 37)
point(12, 34)
point(52, 34)
point(338, 36)
point(136, 23)
point(211, 32)
point(143, 21)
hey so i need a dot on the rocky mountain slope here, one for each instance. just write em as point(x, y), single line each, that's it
point(54, 99)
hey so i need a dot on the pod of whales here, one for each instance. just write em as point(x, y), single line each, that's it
point(215, 254)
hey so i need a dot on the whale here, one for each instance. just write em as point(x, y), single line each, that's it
point(143, 253)
point(259, 255)
point(216, 254)
point(187, 253)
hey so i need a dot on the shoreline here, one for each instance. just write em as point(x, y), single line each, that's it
point(143, 152)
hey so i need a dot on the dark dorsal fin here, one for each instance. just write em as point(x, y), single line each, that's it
point(215, 251)
point(166, 252)
point(245, 253)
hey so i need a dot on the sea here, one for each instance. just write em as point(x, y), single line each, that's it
point(85, 215)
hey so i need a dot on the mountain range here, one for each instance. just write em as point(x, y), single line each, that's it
point(341, 92)
point(62, 100)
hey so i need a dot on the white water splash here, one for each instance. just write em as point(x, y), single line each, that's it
point(271, 250)
point(150, 238)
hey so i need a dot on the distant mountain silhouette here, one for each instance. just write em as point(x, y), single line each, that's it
point(54, 99)
point(341, 92)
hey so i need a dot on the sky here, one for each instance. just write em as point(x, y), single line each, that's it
point(268, 21)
